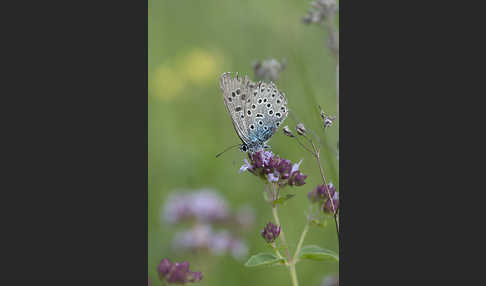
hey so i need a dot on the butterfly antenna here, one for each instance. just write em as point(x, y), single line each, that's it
point(227, 149)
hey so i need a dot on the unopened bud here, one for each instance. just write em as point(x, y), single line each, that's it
point(287, 131)
point(301, 129)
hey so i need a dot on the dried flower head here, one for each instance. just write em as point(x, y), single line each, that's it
point(301, 129)
point(327, 119)
point(177, 273)
point(272, 168)
point(287, 131)
point(268, 70)
point(270, 232)
point(321, 10)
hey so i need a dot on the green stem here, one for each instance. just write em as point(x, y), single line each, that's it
point(282, 234)
point(293, 274)
point(301, 241)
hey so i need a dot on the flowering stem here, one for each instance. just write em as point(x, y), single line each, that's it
point(325, 183)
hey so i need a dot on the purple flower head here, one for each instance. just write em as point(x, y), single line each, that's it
point(284, 166)
point(203, 206)
point(297, 179)
point(321, 191)
point(223, 243)
point(177, 273)
point(328, 205)
point(322, 194)
point(313, 196)
point(164, 267)
point(270, 232)
point(273, 169)
point(197, 238)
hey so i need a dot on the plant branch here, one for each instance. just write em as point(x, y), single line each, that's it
point(317, 155)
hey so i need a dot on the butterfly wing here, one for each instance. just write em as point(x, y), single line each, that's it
point(235, 94)
point(265, 111)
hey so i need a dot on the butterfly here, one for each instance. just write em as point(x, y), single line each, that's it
point(256, 110)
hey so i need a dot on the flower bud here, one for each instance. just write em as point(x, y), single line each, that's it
point(287, 131)
point(301, 129)
point(270, 232)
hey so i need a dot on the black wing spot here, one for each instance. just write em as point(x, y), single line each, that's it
point(253, 106)
point(252, 126)
point(269, 105)
point(230, 99)
point(238, 109)
point(270, 112)
point(238, 91)
point(260, 122)
point(249, 112)
point(233, 94)
point(278, 114)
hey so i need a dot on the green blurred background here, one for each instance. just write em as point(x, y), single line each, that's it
point(190, 44)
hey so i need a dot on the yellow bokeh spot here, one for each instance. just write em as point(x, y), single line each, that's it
point(166, 82)
point(200, 66)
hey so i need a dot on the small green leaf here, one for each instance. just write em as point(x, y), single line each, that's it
point(314, 252)
point(282, 200)
point(263, 259)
